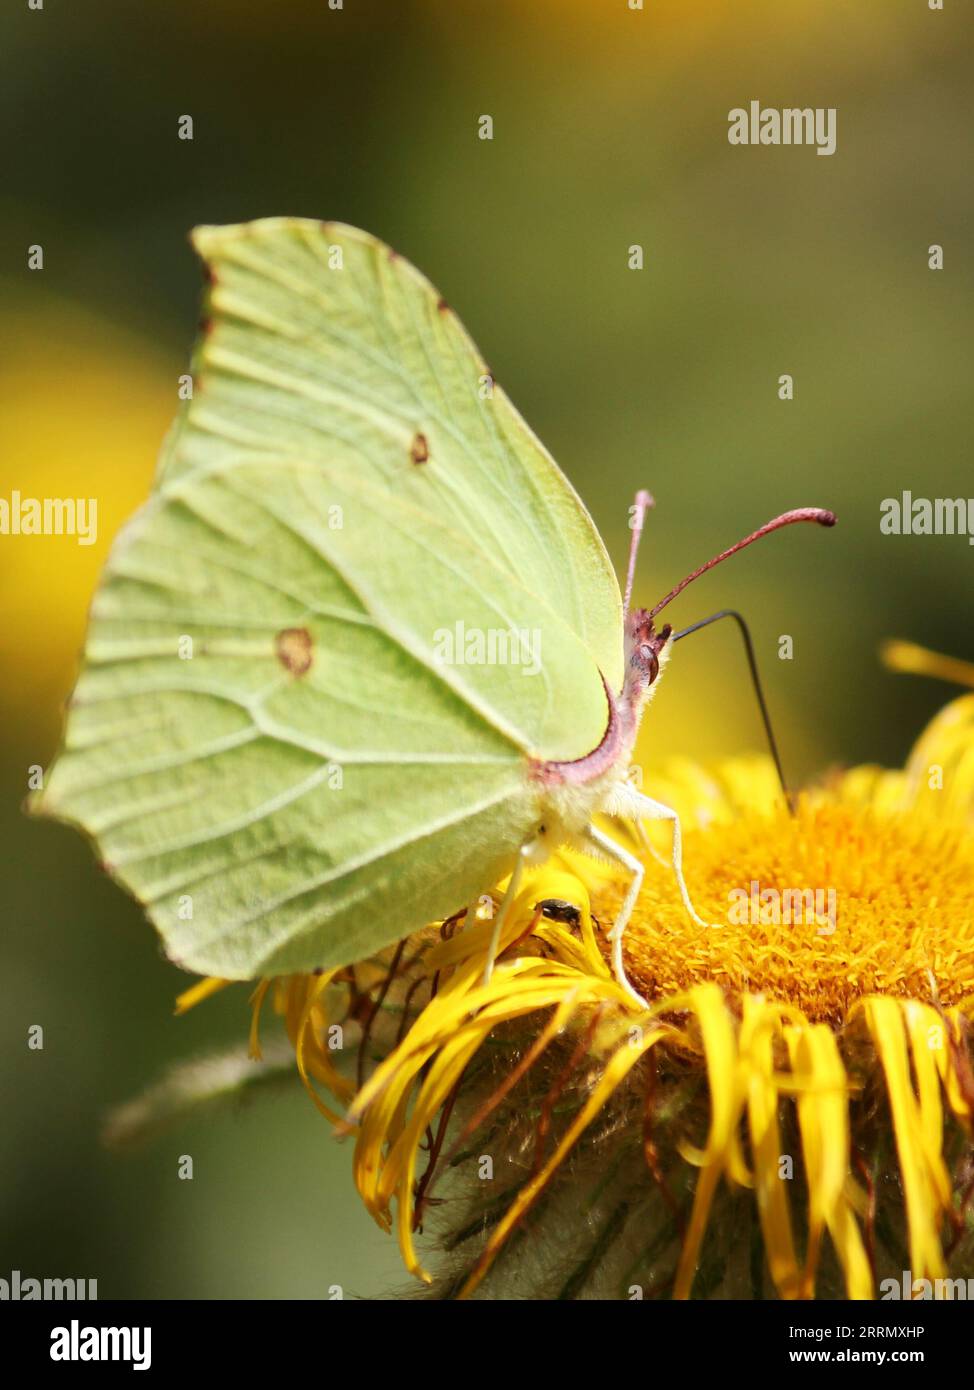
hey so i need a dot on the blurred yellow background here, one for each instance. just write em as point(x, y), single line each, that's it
point(610, 129)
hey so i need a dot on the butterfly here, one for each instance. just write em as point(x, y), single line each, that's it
point(362, 654)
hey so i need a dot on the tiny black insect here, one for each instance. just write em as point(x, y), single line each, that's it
point(558, 910)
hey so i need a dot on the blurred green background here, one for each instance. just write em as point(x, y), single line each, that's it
point(610, 128)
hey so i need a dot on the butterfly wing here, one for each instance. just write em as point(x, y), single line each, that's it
point(265, 741)
point(324, 327)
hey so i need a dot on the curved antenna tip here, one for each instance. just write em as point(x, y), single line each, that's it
point(820, 514)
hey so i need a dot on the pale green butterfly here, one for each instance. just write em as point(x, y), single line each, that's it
point(362, 654)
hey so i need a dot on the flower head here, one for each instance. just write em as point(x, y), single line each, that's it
point(802, 1064)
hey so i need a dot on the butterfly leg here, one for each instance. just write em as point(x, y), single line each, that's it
point(504, 909)
point(648, 845)
point(607, 848)
point(646, 807)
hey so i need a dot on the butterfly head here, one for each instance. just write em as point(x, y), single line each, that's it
point(646, 651)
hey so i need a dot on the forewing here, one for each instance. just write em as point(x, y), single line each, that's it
point(319, 330)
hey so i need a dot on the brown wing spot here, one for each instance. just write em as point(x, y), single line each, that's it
point(419, 450)
point(442, 305)
point(295, 649)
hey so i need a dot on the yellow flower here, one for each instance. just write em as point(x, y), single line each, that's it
point(823, 1019)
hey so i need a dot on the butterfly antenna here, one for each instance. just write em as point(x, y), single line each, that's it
point(819, 514)
point(644, 500)
point(757, 686)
